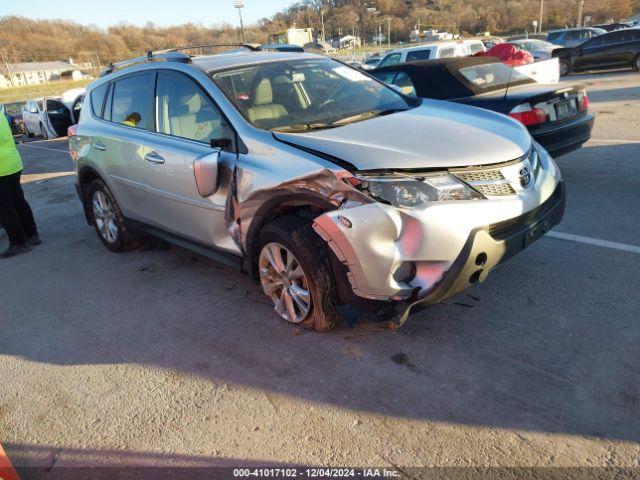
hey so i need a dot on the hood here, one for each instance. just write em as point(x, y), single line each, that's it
point(436, 134)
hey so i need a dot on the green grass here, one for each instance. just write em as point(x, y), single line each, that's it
point(43, 90)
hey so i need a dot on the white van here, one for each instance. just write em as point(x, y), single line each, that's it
point(433, 50)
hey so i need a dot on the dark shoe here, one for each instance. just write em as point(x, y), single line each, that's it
point(34, 240)
point(14, 250)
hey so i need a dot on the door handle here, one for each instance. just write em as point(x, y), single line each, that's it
point(99, 146)
point(153, 157)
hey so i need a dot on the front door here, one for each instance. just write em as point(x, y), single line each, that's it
point(591, 54)
point(187, 121)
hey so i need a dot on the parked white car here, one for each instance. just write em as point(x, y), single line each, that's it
point(50, 117)
point(433, 50)
point(539, 49)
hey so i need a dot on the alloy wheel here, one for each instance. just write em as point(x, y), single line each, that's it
point(284, 281)
point(105, 217)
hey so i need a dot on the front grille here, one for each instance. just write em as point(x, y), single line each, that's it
point(495, 189)
point(480, 176)
point(507, 228)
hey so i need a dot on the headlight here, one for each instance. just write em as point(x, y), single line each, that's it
point(414, 192)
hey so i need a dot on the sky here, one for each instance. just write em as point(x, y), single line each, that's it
point(162, 12)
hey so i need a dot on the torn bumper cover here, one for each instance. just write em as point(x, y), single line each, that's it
point(420, 258)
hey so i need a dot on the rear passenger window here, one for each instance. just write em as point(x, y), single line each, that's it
point(447, 52)
point(418, 55)
point(185, 111)
point(133, 101)
point(392, 59)
point(97, 99)
point(478, 47)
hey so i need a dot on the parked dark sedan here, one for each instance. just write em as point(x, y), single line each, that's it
point(619, 49)
point(13, 112)
point(557, 116)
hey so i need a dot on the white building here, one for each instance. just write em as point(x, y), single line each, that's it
point(35, 73)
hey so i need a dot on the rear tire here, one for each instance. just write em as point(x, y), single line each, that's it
point(107, 219)
point(43, 132)
point(311, 254)
point(565, 68)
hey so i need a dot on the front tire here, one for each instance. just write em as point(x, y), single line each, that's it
point(107, 218)
point(27, 132)
point(295, 273)
point(636, 63)
point(565, 68)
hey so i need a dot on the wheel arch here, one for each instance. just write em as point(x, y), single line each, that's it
point(86, 176)
point(305, 205)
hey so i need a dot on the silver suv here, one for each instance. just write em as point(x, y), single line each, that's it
point(342, 197)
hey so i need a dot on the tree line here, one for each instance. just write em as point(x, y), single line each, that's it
point(40, 40)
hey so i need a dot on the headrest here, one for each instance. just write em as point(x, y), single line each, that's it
point(263, 94)
point(187, 105)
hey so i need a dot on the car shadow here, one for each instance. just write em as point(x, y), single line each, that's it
point(37, 462)
point(543, 345)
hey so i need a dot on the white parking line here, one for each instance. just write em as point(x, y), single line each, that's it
point(623, 247)
point(42, 148)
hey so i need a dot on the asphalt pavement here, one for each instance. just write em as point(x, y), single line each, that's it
point(162, 357)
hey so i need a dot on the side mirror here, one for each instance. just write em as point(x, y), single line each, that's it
point(205, 169)
point(33, 110)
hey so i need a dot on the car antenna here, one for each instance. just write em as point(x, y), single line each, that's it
point(506, 92)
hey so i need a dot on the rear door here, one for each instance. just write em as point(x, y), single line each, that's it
point(123, 143)
point(621, 51)
point(187, 122)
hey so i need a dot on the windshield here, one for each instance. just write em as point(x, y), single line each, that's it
point(493, 76)
point(303, 95)
point(534, 44)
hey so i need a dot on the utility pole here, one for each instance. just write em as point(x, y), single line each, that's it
point(322, 20)
point(239, 4)
point(389, 32)
point(580, 5)
point(540, 20)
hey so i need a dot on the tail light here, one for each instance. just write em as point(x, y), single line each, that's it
point(72, 130)
point(583, 101)
point(527, 115)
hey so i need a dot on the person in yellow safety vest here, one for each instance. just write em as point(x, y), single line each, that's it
point(16, 216)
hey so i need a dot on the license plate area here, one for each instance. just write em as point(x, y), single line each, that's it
point(566, 108)
point(534, 233)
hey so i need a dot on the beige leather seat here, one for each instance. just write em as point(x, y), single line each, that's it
point(190, 119)
point(263, 106)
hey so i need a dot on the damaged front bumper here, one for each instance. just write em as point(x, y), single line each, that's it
point(412, 259)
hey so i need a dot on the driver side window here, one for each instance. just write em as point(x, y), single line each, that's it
point(184, 110)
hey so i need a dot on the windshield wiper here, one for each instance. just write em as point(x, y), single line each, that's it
point(365, 115)
point(302, 127)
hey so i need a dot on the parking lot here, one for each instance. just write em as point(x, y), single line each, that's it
point(161, 357)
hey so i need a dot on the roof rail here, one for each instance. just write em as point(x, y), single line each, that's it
point(254, 47)
point(161, 56)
